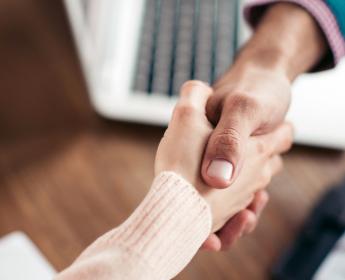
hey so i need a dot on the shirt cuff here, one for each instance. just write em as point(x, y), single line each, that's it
point(322, 14)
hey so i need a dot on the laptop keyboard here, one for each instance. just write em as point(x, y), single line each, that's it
point(183, 40)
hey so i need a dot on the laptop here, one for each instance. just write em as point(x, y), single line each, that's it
point(137, 53)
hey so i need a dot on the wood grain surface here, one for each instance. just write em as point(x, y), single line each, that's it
point(67, 175)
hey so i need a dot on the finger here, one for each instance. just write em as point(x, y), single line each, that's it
point(235, 228)
point(279, 141)
point(259, 202)
point(275, 164)
point(224, 153)
point(244, 222)
point(194, 94)
point(256, 207)
point(212, 243)
point(251, 223)
point(190, 108)
point(214, 107)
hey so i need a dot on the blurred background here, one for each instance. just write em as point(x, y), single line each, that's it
point(67, 174)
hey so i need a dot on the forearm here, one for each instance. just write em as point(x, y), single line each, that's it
point(287, 41)
point(156, 242)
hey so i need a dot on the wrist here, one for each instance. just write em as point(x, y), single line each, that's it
point(249, 75)
point(272, 60)
point(287, 39)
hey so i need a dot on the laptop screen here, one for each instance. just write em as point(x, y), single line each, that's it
point(183, 40)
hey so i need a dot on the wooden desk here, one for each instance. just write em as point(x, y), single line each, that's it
point(67, 176)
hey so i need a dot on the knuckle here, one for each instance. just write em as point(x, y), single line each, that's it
point(288, 137)
point(279, 165)
point(289, 140)
point(228, 141)
point(285, 143)
point(183, 112)
point(266, 178)
point(192, 83)
point(244, 104)
point(288, 143)
point(188, 86)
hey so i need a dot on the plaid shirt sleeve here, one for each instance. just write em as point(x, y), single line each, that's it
point(324, 16)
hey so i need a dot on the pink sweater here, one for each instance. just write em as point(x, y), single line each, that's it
point(163, 234)
point(156, 242)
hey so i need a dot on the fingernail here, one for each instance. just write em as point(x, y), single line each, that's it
point(220, 169)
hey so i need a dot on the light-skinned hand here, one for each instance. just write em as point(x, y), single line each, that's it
point(182, 148)
point(245, 103)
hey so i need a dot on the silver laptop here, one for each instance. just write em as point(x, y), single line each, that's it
point(137, 53)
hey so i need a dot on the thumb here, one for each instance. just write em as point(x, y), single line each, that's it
point(224, 153)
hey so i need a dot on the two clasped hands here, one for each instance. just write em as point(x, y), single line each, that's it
point(227, 142)
point(220, 151)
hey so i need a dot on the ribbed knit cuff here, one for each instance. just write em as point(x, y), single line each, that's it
point(323, 16)
point(167, 228)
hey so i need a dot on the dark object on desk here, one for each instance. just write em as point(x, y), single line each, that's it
point(323, 228)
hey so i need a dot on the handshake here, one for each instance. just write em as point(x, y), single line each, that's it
point(227, 141)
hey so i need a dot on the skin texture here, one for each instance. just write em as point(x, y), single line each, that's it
point(252, 98)
point(182, 147)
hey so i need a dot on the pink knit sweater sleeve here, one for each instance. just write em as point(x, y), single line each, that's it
point(156, 242)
